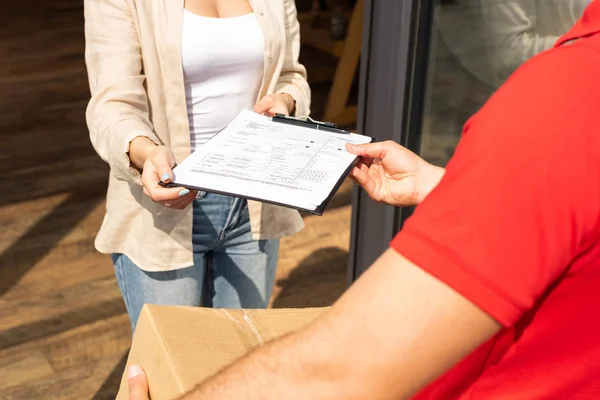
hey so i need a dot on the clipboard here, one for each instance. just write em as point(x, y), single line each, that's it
point(303, 122)
point(308, 122)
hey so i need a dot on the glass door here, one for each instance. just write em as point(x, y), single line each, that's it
point(475, 45)
point(430, 65)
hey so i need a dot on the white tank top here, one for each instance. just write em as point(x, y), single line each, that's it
point(223, 61)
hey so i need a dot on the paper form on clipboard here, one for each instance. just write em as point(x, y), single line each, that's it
point(266, 159)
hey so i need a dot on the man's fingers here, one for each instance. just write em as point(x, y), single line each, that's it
point(371, 150)
point(364, 163)
point(360, 176)
point(138, 384)
point(361, 166)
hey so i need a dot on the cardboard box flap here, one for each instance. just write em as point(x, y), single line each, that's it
point(179, 347)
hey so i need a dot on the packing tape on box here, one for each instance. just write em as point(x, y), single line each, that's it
point(248, 323)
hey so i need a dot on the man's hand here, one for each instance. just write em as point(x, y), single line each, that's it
point(277, 103)
point(392, 174)
point(138, 384)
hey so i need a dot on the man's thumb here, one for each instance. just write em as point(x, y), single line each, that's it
point(355, 149)
point(138, 384)
point(369, 150)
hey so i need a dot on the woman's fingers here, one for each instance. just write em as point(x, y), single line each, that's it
point(160, 194)
point(157, 170)
point(182, 202)
point(264, 105)
point(157, 192)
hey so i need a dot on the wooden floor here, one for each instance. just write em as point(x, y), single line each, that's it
point(64, 333)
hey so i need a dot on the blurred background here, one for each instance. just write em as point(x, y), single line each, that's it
point(408, 70)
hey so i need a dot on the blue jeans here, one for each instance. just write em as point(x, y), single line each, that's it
point(239, 271)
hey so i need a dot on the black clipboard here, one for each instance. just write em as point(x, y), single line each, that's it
point(305, 122)
point(308, 122)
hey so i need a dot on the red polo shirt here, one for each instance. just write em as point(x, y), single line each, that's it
point(514, 227)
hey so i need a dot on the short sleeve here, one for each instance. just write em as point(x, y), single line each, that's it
point(520, 197)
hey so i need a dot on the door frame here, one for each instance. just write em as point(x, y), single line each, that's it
point(392, 83)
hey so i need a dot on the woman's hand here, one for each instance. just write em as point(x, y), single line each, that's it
point(277, 103)
point(157, 165)
point(392, 174)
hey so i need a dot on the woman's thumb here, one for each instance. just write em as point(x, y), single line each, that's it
point(163, 162)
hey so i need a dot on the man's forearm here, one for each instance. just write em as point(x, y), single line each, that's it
point(254, 377)
point(293, 367)
point(380, 341)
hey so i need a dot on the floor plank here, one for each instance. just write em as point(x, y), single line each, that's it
point(25, 369)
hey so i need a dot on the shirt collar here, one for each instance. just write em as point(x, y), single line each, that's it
point(587, 25)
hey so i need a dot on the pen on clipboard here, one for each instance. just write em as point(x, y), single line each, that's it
point(308, 122)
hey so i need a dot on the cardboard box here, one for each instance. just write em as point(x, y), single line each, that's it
point(179, 347)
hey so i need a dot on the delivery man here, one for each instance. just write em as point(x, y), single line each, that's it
point(491, 290)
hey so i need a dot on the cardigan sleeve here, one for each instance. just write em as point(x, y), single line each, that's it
point(293, 75)
point(118, 110)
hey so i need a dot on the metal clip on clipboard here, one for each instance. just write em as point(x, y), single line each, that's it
point(308, 122)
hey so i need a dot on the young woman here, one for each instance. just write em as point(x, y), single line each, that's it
point(165, 76)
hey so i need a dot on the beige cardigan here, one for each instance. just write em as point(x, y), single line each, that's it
point(133, 56)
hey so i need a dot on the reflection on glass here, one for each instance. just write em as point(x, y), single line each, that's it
point(476, 45)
